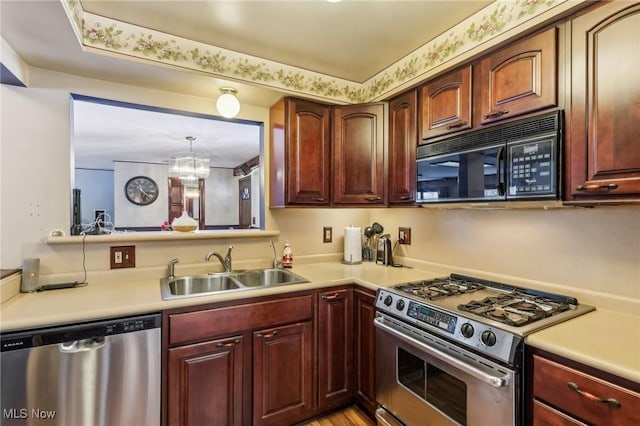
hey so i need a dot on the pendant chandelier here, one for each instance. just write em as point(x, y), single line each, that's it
point(189, 168)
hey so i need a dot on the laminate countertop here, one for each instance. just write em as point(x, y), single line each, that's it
point(602, 339)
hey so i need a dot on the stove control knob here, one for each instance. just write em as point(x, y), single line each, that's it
point(400, 305)
point(488, 338)
point(467, 330)
point(388, 300)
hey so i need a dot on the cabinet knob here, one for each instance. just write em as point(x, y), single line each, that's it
point(591, 397)
point(495, 114)
point(596, 187)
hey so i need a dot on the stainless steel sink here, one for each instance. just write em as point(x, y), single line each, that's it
point(198, 285)
point(269, 277)
point(203, 285)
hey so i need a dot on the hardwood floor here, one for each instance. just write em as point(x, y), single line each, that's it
point(350, 416)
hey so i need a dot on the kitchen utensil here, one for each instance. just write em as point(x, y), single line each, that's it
point(377, 228)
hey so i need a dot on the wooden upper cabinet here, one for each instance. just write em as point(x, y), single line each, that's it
point(517, 79)
point(359, 154)
point(300, 153)
point(446, 104)
point(402, 148)
point(603, 155)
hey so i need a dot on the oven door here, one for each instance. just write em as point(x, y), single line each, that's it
point(425, 380)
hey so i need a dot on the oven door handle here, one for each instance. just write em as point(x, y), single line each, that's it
point(495, 381)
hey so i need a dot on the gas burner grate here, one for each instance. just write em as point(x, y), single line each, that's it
point(439, 288)
point(515, 308)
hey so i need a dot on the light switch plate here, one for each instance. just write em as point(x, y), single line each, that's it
point(122, 257)
point(404, 236)
point(327, 234)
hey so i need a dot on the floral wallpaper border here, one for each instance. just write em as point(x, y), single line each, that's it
point(105, 34)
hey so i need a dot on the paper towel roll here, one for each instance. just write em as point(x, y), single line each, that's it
point(352, 245)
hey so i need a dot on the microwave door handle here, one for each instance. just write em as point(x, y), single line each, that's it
point(501, 171)
point(495, 381)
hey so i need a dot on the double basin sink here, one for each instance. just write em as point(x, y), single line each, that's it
point(204, 285)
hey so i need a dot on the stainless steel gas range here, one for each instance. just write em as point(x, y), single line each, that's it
point(450, 351)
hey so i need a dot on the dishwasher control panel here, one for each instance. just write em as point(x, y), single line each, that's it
point(68, 333)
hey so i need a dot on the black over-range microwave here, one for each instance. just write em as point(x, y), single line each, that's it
point(519, 160)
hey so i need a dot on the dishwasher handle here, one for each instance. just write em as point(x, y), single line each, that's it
point(82, 345)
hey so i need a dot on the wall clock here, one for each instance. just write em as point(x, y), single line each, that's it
point(141, 190)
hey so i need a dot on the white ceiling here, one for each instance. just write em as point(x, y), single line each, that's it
point(353, 40)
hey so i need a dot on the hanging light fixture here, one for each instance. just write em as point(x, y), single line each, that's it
point(189, 168)
point(227, 103)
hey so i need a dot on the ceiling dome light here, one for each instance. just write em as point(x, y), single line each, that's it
point(227, 104)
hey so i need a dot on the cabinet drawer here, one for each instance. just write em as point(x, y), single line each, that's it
point(551, 383)
point(193, 326)
point(543, 415)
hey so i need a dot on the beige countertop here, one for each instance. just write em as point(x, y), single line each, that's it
point(602, 339)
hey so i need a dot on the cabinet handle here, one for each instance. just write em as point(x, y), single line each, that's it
point(591, 397)
point(228, 344)
point(267, 335)
point(455, 126)
point(319, 199)
point(596, 187)
point(332, 297)
point(495, 114)
point(373, 198)
point(406, 197)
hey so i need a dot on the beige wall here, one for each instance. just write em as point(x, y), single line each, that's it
point(591, 249)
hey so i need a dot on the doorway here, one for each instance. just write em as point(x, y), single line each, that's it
point(244, 195)
point(192, 202)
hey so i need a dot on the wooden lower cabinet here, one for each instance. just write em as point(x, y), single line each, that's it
point(282, 374)
point(364, 349)
point(567, 393)
point(272, 361)
point(335, 351)
point(205, 383)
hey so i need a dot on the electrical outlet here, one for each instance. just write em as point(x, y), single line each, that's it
point(404, 236)
point(123, 257)
point(327, 234)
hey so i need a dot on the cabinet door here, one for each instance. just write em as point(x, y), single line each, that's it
point(402, 148)
point(446, 104)
point(516, 80)
point(308, 152)
point(604, 149)
point(282, 374)
point(300, 153)
point(365, 349)
point(335, 348)
point(205, 383)
point(359, 154)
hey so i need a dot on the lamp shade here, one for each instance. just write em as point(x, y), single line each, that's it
point(227, 104)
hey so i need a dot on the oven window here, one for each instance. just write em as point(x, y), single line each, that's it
point(441, 390)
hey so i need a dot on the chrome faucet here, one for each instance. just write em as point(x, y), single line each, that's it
point(171, 268)
point(276, 262)
point(226, 262)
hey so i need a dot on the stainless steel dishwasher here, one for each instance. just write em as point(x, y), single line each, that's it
point(99, 373)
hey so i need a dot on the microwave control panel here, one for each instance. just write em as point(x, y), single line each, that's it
point(532, 169)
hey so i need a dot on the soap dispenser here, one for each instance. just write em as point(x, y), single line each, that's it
point(287, 256)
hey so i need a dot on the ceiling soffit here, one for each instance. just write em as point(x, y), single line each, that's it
point(108, 36)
